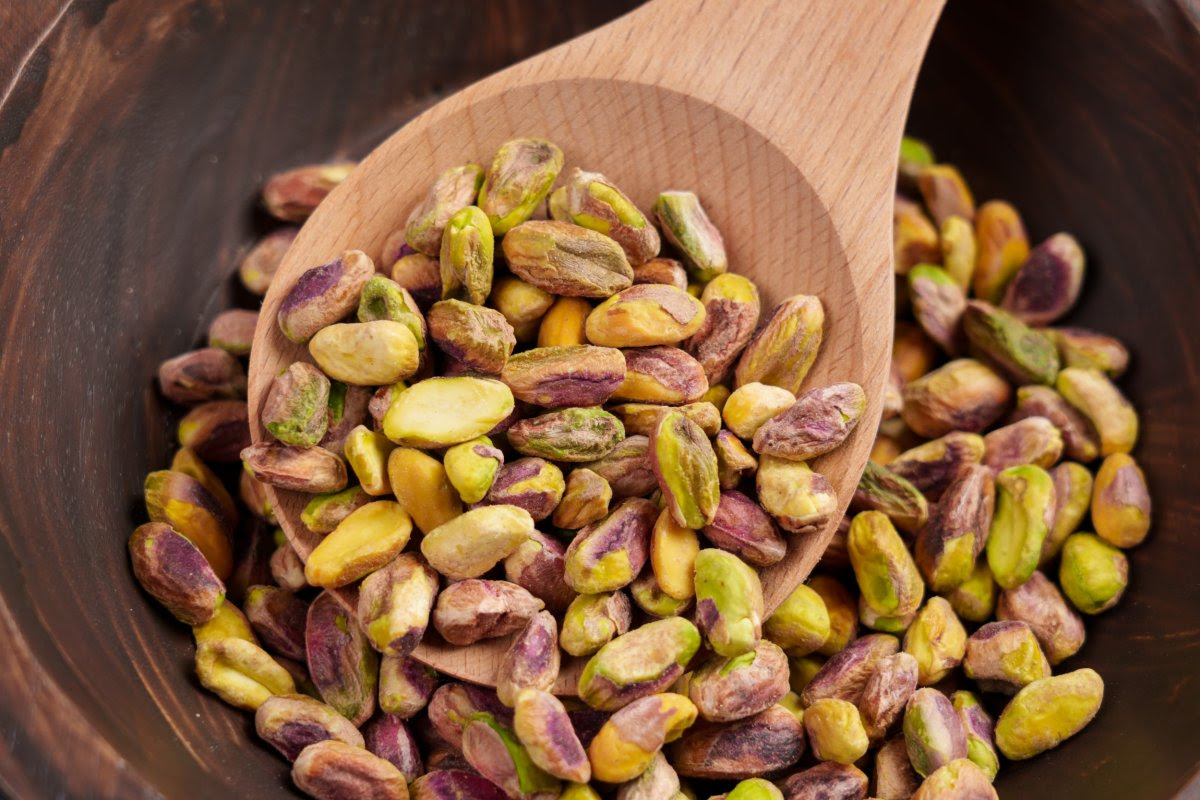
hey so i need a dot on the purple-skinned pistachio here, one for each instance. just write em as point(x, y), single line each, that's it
point(563, 377)
point(609, 554)
point(292, 195)
point(533, 484)
point(661, 374)
point(686, 468)
point(845, 675)
point(202, 375)
point(296, 410)
point(828, 780)
point(257, 268)
point(732, 308)
point(287, 570)
point(957, 529)
point(932, 731)
point(980, 731)
point(880, 489)
point(278, 617)
point(217, 430)
point(1039, 604)
point(1033, 440)
point(532, 659)
point(340, 660)
point(454, 784)
point(1018, 351)
point(1088, 349)
point(253, 546)
point(495, 753)
point(291, 722)
point(894, 777)
point(388, 737)
point(539, 566)
point(938, 302)
point(627, 468)
point(1080, 441)
point(479, 338)
point(885, 694)
point(453, 189)
point(1048, 284)
point(1121, 502)
point(744, 529)
point(394, 604)
point(568, 434)
point(642, 662)
point(1004, 656)
point(301, 469)
point(785, 346)
point(726, 689)
point(819, 421)
point(934, 465)
point(454, 704)
point(473, 609)
point(541, 723)
point(1097, 398)
point(628, 744)
point(945, 192)
point(323, 295)
point(405, 685)
point(666, 271)
point(962, 395)
point(765, 744)
point(348, 408)
point(333, 770)
point(175, 573)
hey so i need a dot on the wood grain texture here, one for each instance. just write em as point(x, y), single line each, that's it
point(127, 160)
point(745, 104)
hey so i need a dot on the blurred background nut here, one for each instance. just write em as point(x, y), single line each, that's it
point(938, 302)
point(914, 238)
point(291, 722)
point(294, 194)
point(835, 731)
point(453, 784)
point(1121, 502)
point(1079, 438)
point(945, 192)
point(843, 613)
point(217, 430)
point(175, 572)
point(1003, 248)
point(881, 490)
point(278, 618)
point(258, 266)
point(1088, 349)
point(202, 375)
point(765, 744)
point(1113, 416)
point(1004, 656)
point(454, 189)
point(472, 609)
point(1048, 283)
point(330, 770)
point(962, 395)
point(323, 295)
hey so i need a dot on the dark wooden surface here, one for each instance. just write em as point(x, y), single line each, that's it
point(133, 131)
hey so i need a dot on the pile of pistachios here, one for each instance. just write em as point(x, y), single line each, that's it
point(599, 445)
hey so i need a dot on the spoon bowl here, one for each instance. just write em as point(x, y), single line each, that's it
point(799, 185)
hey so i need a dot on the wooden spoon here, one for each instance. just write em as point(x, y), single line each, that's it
point(785, 117)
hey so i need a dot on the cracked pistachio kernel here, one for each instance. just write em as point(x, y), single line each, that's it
point(438, 412)
point(422, 487)
point(786, 345)
point(845, 675)
point(1047, 712)
point(454, 189)
point(394, 604)
point(295, 410)
point(729, 602)
point(518, 179)
point(800, 625)
point(937, 640)
point(593, 201)
point(650, 598)
point(533, 484)
point(1003, 248)
point(886, 693)
point(962, 395)
point(673, 550)
point(323, 295)
point(367, 452)
point(607, 555)
point(1024, 509)
point(639, 663)
point(645, 315)
point(932, 731)
point(628, 742)
point(471, 467)
point(800, 500)
point(975, 598)
point(686, 468)
point(568, 434)
point(1121, 502)
point(1048, 284)
point(466, 256)
point(366, 353)
point(1018, 351)
point(1113, 416)
point(593, 620)
point(475, 541)
point(733, 459)
point(751, 405)
point(835, 731)
point(1004, 656)
point(1092, 572)
point(179, 500)
point(887, 575)
point(292, 722)
point(687, 227)
point(531, 660)
point(363, 542)
point(567, 260)
point(585, 500)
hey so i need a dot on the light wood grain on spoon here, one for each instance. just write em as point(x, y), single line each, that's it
point(785, 117)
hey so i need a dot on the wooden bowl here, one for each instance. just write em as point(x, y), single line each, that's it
point(131, 136)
